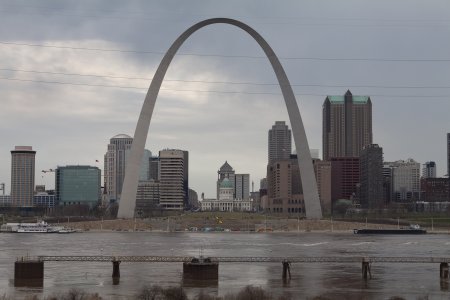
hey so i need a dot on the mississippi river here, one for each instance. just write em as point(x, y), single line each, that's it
point(332, 280)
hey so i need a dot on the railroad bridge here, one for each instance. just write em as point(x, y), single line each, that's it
point(31, 269)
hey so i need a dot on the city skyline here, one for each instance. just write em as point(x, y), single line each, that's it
point(56, 119)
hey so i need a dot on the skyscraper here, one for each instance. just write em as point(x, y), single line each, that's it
point(448, 155)
point(114, 167)
point(283, 187)
point(144, 172)
point(115, 162)
point(280, 144)
point(347, 125)
point(242, 186)
point(172, 179)
point(371, 174)
point(429, 169)
point(22, 176)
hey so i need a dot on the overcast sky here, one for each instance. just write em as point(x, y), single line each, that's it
point(88, 83)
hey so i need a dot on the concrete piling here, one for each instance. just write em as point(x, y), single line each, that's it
point(29, 273)
point(366, 268)
point(116, 269)
point(201, 269)
point(443, 270)
point(286, 269)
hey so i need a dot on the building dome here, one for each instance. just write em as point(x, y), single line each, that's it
point(226, 167)
point(226, 183)
point(122, 136)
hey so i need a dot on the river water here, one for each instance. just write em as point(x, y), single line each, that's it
point(330, 280)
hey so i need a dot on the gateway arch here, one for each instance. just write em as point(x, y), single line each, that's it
point(311, 197)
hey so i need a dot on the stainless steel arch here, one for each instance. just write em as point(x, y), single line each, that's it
point(128, 198)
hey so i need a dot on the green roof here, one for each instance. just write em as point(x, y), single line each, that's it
point(226, 183)
point(356, 99)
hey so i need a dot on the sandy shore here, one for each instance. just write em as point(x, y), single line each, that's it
point(254, 225)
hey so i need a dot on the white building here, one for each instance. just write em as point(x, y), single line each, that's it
point(226, 201)
point(406, 180)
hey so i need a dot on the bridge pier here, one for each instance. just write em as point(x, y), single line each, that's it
point(286, 269)
point(443, 270)
point(29, 273)
point(201, 269)
point(116, 271)
point(366, 268)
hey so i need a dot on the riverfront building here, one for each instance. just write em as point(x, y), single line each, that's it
point(22, 176)
point(284, 190)
point(114, 165)
point(371, 177)
point(434, 189)
point(173, 169)
point(280, 144)
point(405, 180)
point(344, 177)
point(226, 200)
point(347, 125)
point(240, 182)
point(115, 161)
point(429, 169)
point(322, 170)
point(147, 197)
point(78, 185)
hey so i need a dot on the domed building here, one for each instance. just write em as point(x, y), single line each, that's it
point(226, 192)
point(225, 171)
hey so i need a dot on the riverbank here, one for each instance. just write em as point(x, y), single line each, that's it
point(236, 223)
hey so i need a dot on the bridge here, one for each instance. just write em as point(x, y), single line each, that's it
point(206, 268)
point(246, 259)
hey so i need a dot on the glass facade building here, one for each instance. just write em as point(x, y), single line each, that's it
point(77, 185)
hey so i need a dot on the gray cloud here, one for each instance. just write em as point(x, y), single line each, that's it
point(71, 124)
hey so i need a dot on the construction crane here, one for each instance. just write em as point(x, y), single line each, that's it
point(48, 171)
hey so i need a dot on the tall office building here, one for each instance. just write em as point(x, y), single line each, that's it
point(114, 167)
point(115, 161)
point(448, 155)
point(284, 192)
point(371, 174)
point(154, 168)
point(347, 125)
point(242, 186)
point(280, 144)
point(172, 179)
point(429, 169)
point(144, 172)
point(22, 176)
point(78, 185)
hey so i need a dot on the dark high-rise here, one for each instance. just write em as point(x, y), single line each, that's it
point(347, 125)
point(448, 155)
point(371, 177)
point(279, 142)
